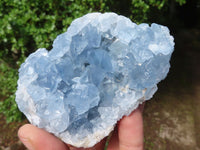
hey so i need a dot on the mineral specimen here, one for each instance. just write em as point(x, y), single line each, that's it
point(101, 69)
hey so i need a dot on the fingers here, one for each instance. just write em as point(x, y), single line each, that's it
point(100, 145)
point(38, 139)
point(130, 131)
point(129, 136)
point(114, 140)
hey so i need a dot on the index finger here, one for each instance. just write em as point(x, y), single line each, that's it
point(130, 131)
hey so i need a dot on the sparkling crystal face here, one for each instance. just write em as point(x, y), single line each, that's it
point(101, 69)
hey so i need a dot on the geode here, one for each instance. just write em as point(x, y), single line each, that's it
point(101, 69)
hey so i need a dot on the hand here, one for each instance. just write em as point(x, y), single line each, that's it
point(129, 136)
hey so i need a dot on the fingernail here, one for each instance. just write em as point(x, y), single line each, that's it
point(27, 143)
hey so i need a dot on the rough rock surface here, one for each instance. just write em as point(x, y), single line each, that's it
point(101, 69)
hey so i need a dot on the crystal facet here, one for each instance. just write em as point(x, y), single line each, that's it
point(101, 69)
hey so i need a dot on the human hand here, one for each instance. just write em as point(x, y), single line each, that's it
point(128, 135)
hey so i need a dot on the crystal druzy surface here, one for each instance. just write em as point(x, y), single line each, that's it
point(101, 69)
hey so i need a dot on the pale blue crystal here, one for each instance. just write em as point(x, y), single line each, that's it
point(101, 69)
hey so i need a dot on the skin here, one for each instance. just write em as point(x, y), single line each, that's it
point(128, 135)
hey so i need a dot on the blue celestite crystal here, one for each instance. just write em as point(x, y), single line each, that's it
point(101, 69)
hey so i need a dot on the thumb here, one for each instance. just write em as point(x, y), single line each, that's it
point(37, 139)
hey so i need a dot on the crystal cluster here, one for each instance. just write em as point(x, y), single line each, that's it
point(101, 69)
